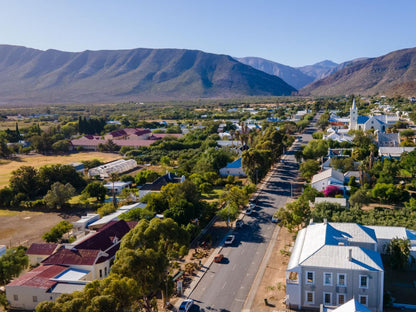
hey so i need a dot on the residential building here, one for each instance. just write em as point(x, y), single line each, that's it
point(37, 252)
point(394, 152)
point(332, 263)
point(118, 166)
point(388, 139)
point(68, 267)
point(44, 283)
point(157, 185)
point(328, 177)
point(118, 186)
point(234, 168)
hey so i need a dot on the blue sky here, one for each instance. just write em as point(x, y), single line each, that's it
point(292, 32)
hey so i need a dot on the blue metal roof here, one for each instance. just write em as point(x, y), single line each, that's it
point(235, 164)
point(362, 119)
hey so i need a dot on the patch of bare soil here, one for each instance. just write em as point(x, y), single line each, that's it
point(27, 227)
point(273, 284)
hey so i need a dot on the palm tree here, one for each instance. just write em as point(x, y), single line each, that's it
point(114, 176)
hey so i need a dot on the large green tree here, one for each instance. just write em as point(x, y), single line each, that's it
point(145, 253)
point(59, 194)
point(12, 263)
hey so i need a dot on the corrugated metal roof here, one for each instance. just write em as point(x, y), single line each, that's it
point(41, 249)
point(352, 306)
point(330, 256)
point(337, 175)
point(39, 277)
point(63, 288)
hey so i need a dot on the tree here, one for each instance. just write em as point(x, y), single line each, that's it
point(256, 163)
point(114, 177)
point(315, 149)
point(145, 253)
point(408, 162)
point(95, 189)
point(12, 264)
point(309, 168)
point(56, 232)
point(342, 164)
point(59, 194)
point(61, 146)
point(360, 197)
point(25, 180)
point(398, 250)
point(294, 214)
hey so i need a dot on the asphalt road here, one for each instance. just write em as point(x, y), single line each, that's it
point(225, 286)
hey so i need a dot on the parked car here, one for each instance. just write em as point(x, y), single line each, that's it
point(229, 240)
point(252, 205)
point(186, 305)
point(239, 223)
point(218, 258)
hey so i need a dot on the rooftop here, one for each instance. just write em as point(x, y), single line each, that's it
point(41, 249)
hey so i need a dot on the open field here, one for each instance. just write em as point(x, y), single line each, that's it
point(26, 227)
point(37, 160)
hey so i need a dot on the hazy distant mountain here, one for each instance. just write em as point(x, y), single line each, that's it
point(291, 75)
point(319, 70)
point(34, 76)
point(393, 72)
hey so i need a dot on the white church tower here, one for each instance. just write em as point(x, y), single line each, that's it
point(353, 116)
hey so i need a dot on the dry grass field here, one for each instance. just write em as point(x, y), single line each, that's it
point(37, 161)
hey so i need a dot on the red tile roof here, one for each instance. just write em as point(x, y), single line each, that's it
point(39, 277)
point(41, 249)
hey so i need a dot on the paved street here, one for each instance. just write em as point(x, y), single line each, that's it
point(225, 286)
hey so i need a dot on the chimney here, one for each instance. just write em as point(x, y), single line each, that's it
point(325, 221)
point(310, 221)
point(349, 254)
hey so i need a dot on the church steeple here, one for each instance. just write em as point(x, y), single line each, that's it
point(353, 116)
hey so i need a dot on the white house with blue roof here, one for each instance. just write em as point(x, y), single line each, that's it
point(234, 168)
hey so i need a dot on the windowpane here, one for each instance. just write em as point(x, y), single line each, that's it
point(341, 279)
point(309, 296)
point(327, 298)
point(328, 279)
point(35, 299)
point(15, 297)
point(363, 281)
point(309, 277)
point(341, 299)
point(363, 300)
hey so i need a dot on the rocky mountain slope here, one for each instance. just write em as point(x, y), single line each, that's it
point(291, 75)
point(386, 74)
point(29, 76)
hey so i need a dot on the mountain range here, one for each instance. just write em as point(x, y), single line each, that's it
point(30, 76)
point(390, 74)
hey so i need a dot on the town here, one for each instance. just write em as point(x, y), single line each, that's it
point(174, 212)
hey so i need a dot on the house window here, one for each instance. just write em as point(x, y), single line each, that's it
point(310, 277)
point(327, 298)
point(342, 280)
point(105, 271)
point(340, 299)
point(15, 297)
point(310, 297)
point(35, 299)
point(363, 300)
point(101, 273)
point(363, 281)
point(327, 279)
